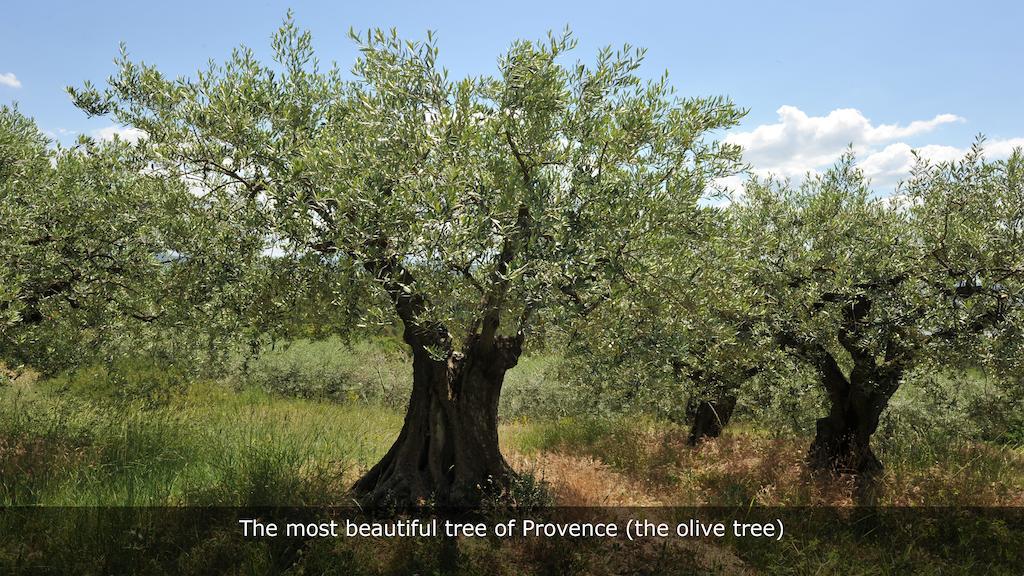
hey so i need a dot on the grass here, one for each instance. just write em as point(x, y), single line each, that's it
point(208, 445)
point(299, 425)
point(748, 466)
point(304, 421)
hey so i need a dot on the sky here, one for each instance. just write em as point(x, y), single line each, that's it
point(816, 77)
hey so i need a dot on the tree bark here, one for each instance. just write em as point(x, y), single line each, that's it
point(447, 453)
point(711, 417)
point(842, 441)
point(714, 410)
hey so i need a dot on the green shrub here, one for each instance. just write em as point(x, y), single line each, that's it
point(144, 379)
point(533, 389)
point(376, 370)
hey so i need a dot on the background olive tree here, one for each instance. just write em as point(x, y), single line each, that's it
point(104, 255)
point(682, 339)
point(80, 246)
point(864, 289)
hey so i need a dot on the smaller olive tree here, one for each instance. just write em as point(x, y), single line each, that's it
point(864, 289)
point(681, 340)
point(102, 254)
point(79, 246)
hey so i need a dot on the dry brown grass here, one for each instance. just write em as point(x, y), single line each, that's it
point(586, 481)
point(645, 466)
point(750, 469)
point(583, 480)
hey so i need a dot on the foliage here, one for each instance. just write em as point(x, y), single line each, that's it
point(468, 199)
point(103, 253)
point(373, 370)
point(932, 274)
point(865, 290)
point(80, 244)
point(687, 331)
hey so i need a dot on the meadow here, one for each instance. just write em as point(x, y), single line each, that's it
point(300, 423)
point(303, 421)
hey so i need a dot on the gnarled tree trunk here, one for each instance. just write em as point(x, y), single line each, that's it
point(714, 410)
point(711, 417)
point(447, 453)
point(842, 440)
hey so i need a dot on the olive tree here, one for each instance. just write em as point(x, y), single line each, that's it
point(473, 205)
point(864, 289)
point(79, 247)
point(24, 166)
point(681, 340)
point(722, 345)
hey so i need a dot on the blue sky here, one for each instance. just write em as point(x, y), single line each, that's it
point(816, 76)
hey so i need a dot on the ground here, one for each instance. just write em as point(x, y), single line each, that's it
point(76, 440)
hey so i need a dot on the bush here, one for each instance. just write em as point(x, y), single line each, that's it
point(533, 389)
point(376, 370)
point(144, 379)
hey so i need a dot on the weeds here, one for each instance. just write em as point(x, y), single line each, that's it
point(137, 435)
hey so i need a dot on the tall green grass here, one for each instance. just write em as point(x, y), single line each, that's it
point(209, 445)
point(301, 421)
point(295, 427)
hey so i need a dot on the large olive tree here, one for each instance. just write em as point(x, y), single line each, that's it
point(473, 205)
point(863, 289)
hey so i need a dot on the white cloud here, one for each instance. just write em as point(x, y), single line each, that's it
point(60, 132)
point(894, 162)
point(798, 144)
point(722, 190)
point(9, 79)
point(887, 132)
point(1003, 148)
point(127, 133)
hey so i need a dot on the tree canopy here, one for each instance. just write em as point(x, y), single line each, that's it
point(82, 244)
point(451, 195)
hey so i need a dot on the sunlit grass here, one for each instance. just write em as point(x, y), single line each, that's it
point(210, 445)
point(747, 466)
point(150, 435)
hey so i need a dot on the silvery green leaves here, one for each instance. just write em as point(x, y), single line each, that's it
point(866, 291)
point(490, 196)
point(83, 244)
